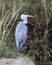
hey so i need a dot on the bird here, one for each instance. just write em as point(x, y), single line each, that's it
point(21, 30)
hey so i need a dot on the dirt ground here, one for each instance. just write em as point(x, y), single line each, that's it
point(16, 61)
point(44, 63)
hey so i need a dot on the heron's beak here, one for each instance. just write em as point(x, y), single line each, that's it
point(31, 16)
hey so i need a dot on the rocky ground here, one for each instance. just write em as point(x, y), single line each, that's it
point(16, 61)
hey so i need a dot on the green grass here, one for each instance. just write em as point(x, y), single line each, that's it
point(9, 51)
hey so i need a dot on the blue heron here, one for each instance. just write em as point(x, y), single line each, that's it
point(21, 30)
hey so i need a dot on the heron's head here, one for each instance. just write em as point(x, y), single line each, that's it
point(25, 15)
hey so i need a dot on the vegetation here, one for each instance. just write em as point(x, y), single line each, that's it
point(39, 40)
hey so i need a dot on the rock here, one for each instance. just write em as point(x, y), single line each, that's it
point(16, 61)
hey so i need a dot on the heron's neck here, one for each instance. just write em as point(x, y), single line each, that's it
point(25, 21)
